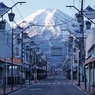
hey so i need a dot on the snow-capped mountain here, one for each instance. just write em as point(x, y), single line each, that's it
point(48, 26)
point(49, 23)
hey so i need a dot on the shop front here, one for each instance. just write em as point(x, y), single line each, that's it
point(90, 71)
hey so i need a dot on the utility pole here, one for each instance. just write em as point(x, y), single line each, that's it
point(12, 80)
point(71, 54)
point(82, 45)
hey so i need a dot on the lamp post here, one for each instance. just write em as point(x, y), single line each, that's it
point(71, 40)
point(30, 57)
point(30, 48)
point(76, 48)
point(34, 61)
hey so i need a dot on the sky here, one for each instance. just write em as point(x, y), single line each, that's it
point(31, 6)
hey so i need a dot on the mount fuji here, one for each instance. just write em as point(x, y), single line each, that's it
point(49, 27)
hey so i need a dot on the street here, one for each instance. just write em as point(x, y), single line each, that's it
point(54, 85)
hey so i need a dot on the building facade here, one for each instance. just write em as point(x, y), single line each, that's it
point(90, 57)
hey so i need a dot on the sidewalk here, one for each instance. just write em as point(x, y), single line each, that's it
point(89, 89)
point(15, 88)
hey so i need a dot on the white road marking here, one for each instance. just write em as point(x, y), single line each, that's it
point(54, 83)
point(36, 89)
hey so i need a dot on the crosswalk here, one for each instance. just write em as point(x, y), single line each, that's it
point(54, 83)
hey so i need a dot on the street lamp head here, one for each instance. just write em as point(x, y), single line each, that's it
point(88, 25)
point(38, 48)
point(27, 47)
point(32, 43)
point(11, 16)
point(79, 17)
point(24, 35)
point(74, 49)
point(19, 40)
point(70, 38)
point(2, 25)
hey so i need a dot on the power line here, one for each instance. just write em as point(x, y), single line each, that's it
point(18, 10)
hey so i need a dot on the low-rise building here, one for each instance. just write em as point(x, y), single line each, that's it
point(90, 57)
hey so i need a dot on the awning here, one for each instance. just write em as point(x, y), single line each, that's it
point(88, 61)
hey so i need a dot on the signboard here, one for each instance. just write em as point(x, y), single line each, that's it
point(89, 13)
point(75, 58)
point(3, 8)
point(56, 51)
point(18, 60)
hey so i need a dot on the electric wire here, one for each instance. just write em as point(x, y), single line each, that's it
point(18, 10)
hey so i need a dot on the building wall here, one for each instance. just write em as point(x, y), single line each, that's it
point(5, 42)
point(90, 53)
point(2, 44)
point(90, 41)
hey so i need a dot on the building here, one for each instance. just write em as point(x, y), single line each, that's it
point(90, 57)
point(5, 41)
point(5, 47)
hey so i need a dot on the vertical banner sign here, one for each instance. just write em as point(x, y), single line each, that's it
point(89, 12)
point(3, 8)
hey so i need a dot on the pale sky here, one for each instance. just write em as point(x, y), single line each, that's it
point(32, 6)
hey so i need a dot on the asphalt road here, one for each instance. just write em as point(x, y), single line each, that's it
point(54, 85)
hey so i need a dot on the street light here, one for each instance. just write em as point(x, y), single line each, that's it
point(11, 8)
point(30, 48)
point(88, 25)
point(79, 20)
point(79, 17)
point(11, 16)
point(11, 19)
point(2, 25)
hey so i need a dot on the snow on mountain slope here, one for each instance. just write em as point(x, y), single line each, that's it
point(48, 22)
point(48, 16)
